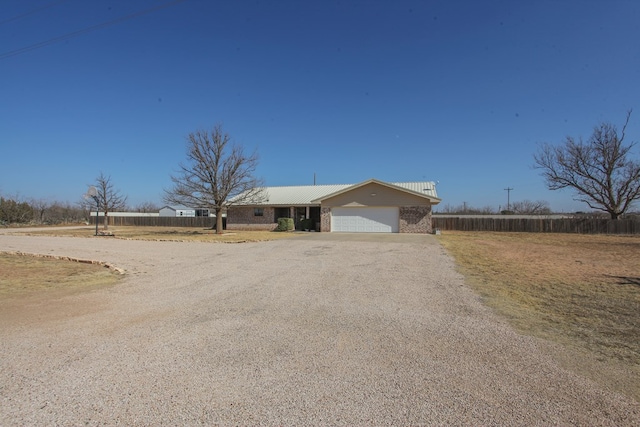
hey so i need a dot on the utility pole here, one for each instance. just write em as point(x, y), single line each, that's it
point(508, 190)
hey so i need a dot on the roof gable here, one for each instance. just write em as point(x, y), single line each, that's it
point(425, 190)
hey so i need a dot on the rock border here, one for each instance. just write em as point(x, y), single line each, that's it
point(68, 258)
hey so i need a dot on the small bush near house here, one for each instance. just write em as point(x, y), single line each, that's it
point(285, 224)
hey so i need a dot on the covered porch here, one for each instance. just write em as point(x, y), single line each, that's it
point(299, 214)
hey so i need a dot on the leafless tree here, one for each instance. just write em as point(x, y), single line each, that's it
point(486, 210)
point(109, 198)
point(465, 209)
point(146, 207)
point(529, 207)
point(67, 213)
point(216, 175)
point(446, 209)
point(599, 170)
point(39, 207)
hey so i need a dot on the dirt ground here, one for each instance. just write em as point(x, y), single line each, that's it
point(299, 331)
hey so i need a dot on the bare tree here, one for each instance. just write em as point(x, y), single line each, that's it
point(446, 209)
point(109, 198)
point(216, 175)
point(465, 209)
point(529, 207)
point(487, 210)
point(39, 207)
point(600, 170)
point(146, 207)
point(67, 213)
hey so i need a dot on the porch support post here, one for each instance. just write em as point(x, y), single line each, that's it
point(307, 213)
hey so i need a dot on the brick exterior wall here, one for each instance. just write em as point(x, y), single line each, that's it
point(242, 218)
point(415, 219)
point(325, 219)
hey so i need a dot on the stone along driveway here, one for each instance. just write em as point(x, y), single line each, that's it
point(302, 331)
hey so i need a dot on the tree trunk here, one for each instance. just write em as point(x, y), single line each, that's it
point(614, 215)
point(219, 227)
point(106, 221)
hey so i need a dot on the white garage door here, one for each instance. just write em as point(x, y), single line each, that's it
point(365, 220)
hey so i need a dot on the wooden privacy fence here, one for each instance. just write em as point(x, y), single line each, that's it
point(539, 225)
point(161, 221)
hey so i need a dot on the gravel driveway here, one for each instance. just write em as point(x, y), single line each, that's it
point(303, 331)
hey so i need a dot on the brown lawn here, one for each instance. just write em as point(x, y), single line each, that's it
point(582, 291)
point(22, 275)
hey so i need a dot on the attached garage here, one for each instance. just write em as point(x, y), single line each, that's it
point(365, 219)
point(378, 207)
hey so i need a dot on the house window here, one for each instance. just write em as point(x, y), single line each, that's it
point(258, 211)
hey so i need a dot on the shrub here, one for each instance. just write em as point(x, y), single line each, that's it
point(285, 224)
point(12, 211)
point(307, 224)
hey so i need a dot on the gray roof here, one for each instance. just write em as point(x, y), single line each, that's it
point(179, 208)
point(304, 195)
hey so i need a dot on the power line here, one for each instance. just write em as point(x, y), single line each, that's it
point(31, 12)
point(85, 30)
point(508, 190)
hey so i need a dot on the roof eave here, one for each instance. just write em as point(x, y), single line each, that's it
point(275, 205)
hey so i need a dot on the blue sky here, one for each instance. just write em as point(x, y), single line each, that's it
point(459, 92)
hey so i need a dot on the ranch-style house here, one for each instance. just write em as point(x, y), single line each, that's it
point(372, 206)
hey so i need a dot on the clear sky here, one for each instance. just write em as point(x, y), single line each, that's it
point(459, 92)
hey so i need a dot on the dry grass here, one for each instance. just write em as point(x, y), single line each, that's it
point(182, 234)
point(21, 275)
point(582, 291)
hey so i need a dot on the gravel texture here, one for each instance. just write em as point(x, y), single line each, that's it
point(305, 331)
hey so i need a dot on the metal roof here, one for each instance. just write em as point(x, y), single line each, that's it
point(298, 195)
point(428, 187)
point(305, 195)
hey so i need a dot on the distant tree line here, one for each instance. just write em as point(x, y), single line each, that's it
point(525, 207)
point(16, 210)
point(13, 210)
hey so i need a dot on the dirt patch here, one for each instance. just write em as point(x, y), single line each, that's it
point(582, 291)
point(34, 288)
point(26, 274)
